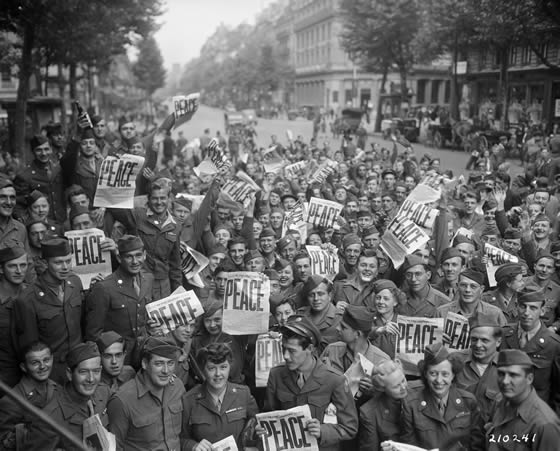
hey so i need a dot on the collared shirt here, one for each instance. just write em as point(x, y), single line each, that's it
point(424, 307)
point(218, 399)
point(530, 334)
point(482, 307)
point(168, 220)
point(143, 422)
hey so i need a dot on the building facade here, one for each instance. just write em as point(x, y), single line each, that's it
point(533, 89)
point(327, 78)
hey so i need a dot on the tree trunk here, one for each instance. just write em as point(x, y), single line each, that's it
point(73, 91)
point(25, 71)
point(61, 82)
point(454, 91)
point(503, 88)
point(378, 117)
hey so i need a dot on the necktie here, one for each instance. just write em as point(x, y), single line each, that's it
point(91, 410)
point(218, 404)
point(441, 408)
point(60, 294)
point(300, 380)
point(136, 285)
point(49, 172)
point(523, 340)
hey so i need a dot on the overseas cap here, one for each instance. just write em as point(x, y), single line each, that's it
point(509, 357)
point(302, 326)
point(164, 347)
point(480, 319)
point(358, 318)
point(251, 254)
point(77, 210)
point(38, 140)
point(129, 243)
point(412, 260)
point(81, 352)
point(530, 294)
point(11, 253)
point(508, 270)
point(472, 274)
point(435, 353)
point(512, 234)
point(55, 247)
point(448, 253)
point(267, 232)
point(282, 243)
point(350, 239)
point(384, 284)
point(106, 339)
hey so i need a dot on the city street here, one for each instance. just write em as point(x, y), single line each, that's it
point(213, 119)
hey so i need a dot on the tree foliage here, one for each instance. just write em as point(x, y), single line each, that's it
point(149, 69)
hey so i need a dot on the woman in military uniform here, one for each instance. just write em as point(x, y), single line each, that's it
point(217, 408)
point(438, 414)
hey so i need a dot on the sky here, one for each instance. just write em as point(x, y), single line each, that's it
point(187, 24)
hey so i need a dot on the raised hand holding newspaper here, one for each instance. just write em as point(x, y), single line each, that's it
point(226, 444)
point(185, 107)
point(175, 310)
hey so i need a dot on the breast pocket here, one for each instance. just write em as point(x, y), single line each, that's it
point(462, 420)
point(238, 414)
point(46, 319)
point(176, 411)
point(286, 399)
point(147, 424)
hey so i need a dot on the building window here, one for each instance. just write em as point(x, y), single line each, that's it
point(513, 55)
point(6, 72)
point(335, 96)
point(526, 55)
point(421, 91)
point(447, 92)
point(347, 95)
point(435, 91)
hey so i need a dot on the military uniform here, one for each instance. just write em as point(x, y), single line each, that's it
point(114, 383)
point(380, 420)
point(508, 307)
point(40, 316)
point(326, 321)
point(482, 307)
point(9, 362)
point(13, 234)
point(484, 387)
point(114, 305)
point(350, 292)
point(426, 307)
point(161, 242)
point(141, 422)
point(70, 410)
point(323, 387)
point(531, 425)
point(544, 351)
point(47, 179)
point(551, 295)
point(384, 341)
point(425, 427)
point(14, 419)
point(202, 420)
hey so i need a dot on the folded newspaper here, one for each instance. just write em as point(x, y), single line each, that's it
point(405, 447)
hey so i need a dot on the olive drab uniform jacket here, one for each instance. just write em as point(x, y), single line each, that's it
point(202, 419)
point(39, 315)
point(46, 179)
point(323, 387)
point(544, 351)
point(114, 305)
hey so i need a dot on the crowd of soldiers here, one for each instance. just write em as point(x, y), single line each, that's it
point(76, 352)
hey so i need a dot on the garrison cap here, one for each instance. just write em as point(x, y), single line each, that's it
point(412, 260)
point(350, 239)
point(251, 254)
point(38, 140)
point(266, 232)
point(435, 353)
point(283, 242)
point(81, 352)
point(55, 247)
point(472, 274)
point(508, 270)
point(509, 357)
point(530, 294)
point(107, 338)
point(358, 318)
point(11, 253)
point(77, 210)
point(512, 234)
point(383, 284)
point(129, 243)
point(161, 346)
point(481, 319)
point(448, 253)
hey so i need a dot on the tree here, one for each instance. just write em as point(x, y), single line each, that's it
point(379, 35)
point(71, 33)
point(149, 69)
